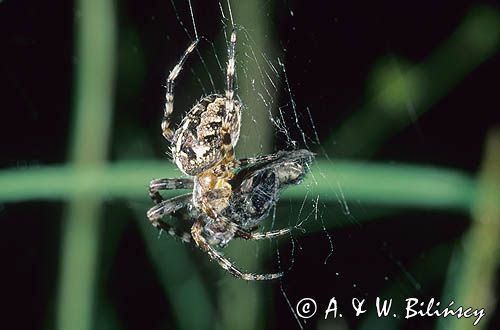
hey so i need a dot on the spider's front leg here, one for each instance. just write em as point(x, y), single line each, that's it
point(167, 184)
point(197, 233)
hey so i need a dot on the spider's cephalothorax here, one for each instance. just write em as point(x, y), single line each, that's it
point(229, 197)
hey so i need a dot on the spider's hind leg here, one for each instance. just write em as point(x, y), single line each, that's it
point(196, 232)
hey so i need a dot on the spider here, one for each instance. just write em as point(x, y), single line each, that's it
point(256, 189)
point(230, 196)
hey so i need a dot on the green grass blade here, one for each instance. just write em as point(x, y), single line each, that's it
point(379, 184)
point(91, 124)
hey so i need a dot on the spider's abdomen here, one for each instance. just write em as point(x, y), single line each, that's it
point(197, 144)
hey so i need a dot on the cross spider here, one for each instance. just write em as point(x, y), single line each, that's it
point(229, 197)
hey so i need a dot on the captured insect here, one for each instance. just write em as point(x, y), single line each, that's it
point(230, 197)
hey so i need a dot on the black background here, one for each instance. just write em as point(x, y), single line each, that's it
point(331, 48)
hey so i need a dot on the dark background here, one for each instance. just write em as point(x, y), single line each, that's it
point(331, 50)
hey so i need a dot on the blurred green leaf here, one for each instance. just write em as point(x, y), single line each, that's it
point(379, 184)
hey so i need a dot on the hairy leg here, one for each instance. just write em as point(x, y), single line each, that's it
point(196, 232)
point(167, 207)
point(248, 235)
point(169, 95)
point(167, 184)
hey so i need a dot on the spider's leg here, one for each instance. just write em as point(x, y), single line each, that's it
point(245, 234)
point(254, 160)
point(183, 235)
point(295, 156)
point(196, 232)
point(169, 95)
point(167, 184)
point(167, 207)
point(228, 118)
point(242, 162)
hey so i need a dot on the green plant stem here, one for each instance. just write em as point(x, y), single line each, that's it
point(471, 275)
point(241, 304)
point(391, 185)
point(92, 116)
point(180, 278)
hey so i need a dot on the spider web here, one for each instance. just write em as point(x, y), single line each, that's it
point(291, 126)
point(272, 120)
